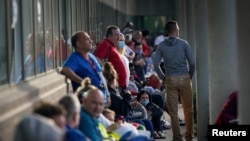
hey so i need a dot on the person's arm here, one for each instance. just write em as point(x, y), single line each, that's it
point(156, 110)
point(191, 61)
point(137, 62)
point(71, 75)
point(156, 57)
point(129, 53)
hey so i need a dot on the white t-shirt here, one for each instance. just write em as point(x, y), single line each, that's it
point(126, 63)
point(106, 122)
point(159, 39)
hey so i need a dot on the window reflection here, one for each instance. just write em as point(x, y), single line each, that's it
point(36, 57)
point(21, 32)
point(48, 29)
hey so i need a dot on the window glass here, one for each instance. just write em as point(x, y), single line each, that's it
point(23, 61)
point(3, 54)
point(49, 34)
point(43, 62)
point(65, 46)
point(56, 35)
point(73, 16)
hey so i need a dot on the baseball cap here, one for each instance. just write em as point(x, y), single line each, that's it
point(127, 30)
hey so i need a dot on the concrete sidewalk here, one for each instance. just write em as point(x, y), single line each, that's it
point(168, 133)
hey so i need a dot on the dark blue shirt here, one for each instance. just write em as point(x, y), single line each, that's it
point(73, 134)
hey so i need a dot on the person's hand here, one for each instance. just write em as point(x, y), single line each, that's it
point(142, 63)
point(108, 101)
point(130, 57)
point(132, 103)
point(149, 114)
point(113, 127)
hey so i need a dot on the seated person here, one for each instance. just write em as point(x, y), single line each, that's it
point(53, 111)
point(154, 112)
point(73, 107)
point(134, 79)
point(121, 104)
point(92, 100)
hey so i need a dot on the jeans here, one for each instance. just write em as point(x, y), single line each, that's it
point(182, 86)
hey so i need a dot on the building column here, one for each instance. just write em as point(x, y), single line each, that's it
point(243, 35)
point(180, 17)
point(222, 55)
point(202, 84)
point(191, 32)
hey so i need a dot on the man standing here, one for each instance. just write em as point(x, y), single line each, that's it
point(81, 64)
point(107, 50)
point(176, 53)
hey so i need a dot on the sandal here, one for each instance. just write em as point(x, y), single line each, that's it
point(161, 135)
point(156, 136)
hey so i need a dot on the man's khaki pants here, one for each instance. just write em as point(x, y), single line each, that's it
point(180, 85)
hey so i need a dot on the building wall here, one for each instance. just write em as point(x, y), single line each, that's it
point(150, 7)
point(17, 101)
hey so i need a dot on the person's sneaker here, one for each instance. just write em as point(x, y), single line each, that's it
point(182, 122)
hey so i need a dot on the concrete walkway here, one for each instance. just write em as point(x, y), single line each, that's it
point(168, 133)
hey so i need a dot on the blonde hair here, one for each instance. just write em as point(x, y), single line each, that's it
point(85, 86)
point(108, 111)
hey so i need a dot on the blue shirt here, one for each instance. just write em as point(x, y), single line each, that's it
point(77, 63)
point(89, 126)
point(73, 134)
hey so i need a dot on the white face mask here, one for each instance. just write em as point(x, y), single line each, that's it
point(128, 37)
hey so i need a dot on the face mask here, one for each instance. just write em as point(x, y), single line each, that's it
point(144, 102)
point(138, 51)
point(138, 40)
point(128, 37)
point(121, 44)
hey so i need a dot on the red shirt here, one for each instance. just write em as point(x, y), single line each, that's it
point(107, 49)
point(145, 48)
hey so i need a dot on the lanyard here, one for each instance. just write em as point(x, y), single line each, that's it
point(92, 64)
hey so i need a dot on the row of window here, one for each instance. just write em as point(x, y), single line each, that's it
point(34, 37)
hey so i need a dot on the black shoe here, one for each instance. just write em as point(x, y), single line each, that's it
point(182, 122)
